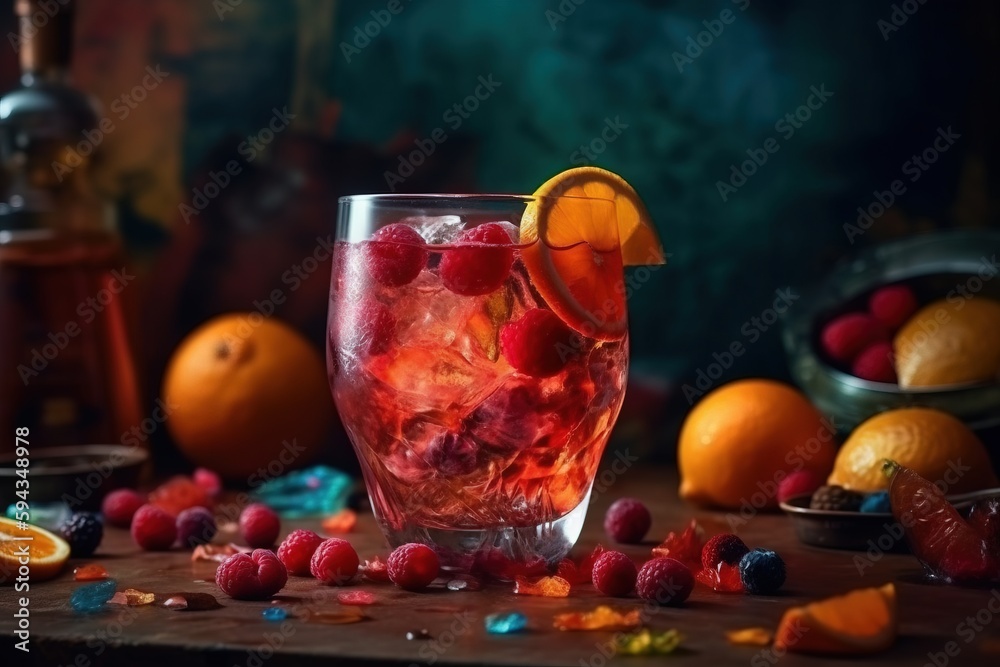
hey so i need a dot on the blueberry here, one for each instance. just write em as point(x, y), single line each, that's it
point(762, 572)
point(83, 531)
point(877, 502)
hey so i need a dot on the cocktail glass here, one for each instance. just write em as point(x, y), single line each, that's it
point(478, 409)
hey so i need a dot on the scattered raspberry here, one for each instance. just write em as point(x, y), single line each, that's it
point(845, 336)
point(875, 363)
point(396, 254)
point(614, 574)
point(725, 548)
point(334, 562)
point(83, 531)
point(120, 506)
point(254, 576)
point(297, 550)
point(627, 521)
point(259, 525)
point(836, 498)
point(799, 483)
point(893, 305)
point(538, 344)
point(153, 529)
point(375, 570)
point(481, 262)
point(413, 566)
point(762, 572)
point(376, 328)
point(195, 526)
point(665, 581)
point(208, 480)
point(452, 454)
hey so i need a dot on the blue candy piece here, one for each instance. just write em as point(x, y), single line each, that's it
point(92, 597)
point(275, 614)
point(877, 502)
point(317, 491)
point(505, 624)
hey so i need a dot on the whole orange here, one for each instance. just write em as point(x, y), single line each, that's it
point(741, 440)
point(248, 397)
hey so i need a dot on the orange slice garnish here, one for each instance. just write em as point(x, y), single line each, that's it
point(859, 622)
point(47, 553)
point(585, 224)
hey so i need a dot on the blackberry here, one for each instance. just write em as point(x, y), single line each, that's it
point(83, 531)
point(836, 498)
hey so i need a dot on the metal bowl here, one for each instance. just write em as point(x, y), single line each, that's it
point(933, 265)
point(857, 531)
point(79, 475)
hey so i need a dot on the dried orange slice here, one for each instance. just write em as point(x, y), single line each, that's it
point(862, 621)
point(46, 553)
point(576, 246)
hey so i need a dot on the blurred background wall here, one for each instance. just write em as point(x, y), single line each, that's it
point(313, 99)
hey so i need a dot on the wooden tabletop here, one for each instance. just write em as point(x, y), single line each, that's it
point(933, 618)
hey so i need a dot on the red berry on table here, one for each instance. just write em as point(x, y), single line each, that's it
point(627, 521)
point(413, 566)
point(845, 336)
point(725, 548)
point(665, 581)
point(799, 483)
point(614, 574)
point(481, 261)
point(396, 254)
point(153, 529)
point(120, 506)
point(375, 327)
point(208, 480)
point(893, 305)
point(875, 363)
point(253, 576)
point(538, 344)
point(195, 526)
point(334, 562)
point(297, 550)
point(259, 525)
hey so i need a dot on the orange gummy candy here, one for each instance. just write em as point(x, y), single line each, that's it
point(132, 598)
point(599, 618)
point(549, 587)
point(90, 572)
point(750, 637)
point(341, 522)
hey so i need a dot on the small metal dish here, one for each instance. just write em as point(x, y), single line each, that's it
point(79, 475)
point(857, 531)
